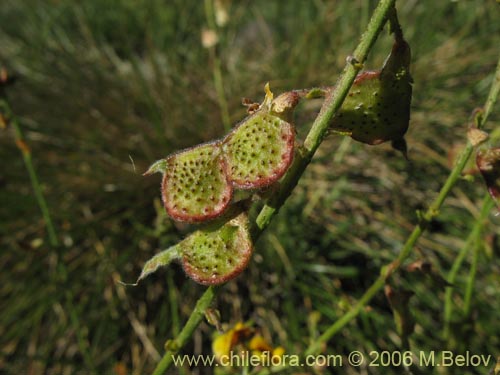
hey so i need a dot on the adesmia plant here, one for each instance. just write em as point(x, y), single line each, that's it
point(198, 183)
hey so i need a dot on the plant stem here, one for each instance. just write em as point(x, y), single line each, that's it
point(431, 212)
point(473, 240)
point(219, 88)
point(174, 346)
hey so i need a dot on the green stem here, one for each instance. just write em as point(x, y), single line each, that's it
point(174, 346)
point(219, 88)
point(473, 240)
point(493, 95)
point(35, 183)
point(431, 212)
point(80, 337)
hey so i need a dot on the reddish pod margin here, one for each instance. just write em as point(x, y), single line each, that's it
point(259, 150)
point(195, 186)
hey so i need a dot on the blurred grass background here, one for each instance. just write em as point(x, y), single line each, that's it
point(105, 88)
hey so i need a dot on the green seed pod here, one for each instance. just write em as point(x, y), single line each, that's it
point(209, 256)
point(195, 186)
point(259, 150)
point(215, 256)
point(377, 108)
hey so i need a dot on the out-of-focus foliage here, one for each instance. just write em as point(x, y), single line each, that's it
point(106, 87)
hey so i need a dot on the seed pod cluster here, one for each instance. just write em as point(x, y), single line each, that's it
point(198, 182)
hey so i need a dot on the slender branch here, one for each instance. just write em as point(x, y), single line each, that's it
point(395, 26)
point(431, 212)
point(194, 320)
point(332, 104)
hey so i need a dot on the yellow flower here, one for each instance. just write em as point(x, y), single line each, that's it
point(258, 343)
point(237, 338)
point(260, 347)
point(278, 351)
point(224, 343)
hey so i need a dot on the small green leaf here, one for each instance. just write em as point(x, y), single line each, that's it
point(159, 166)
point(195, 185)
point(159, 260)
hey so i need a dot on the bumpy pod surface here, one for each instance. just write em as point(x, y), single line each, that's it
point(195, 186)
point(214, 257)
point(377, 108)
point(259, 150)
